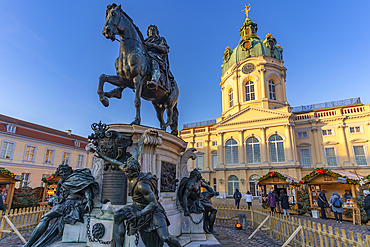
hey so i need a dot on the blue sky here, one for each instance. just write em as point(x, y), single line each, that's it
point(53, 52)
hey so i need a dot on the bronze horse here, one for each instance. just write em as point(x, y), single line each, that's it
point(133, 68)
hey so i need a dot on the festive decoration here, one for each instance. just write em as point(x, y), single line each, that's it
point(45, 179)
point(303, 202)
point(279, 175)
point(10, 174)
point(320, 171)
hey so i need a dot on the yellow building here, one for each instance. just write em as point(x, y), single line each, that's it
point(258, 132)
point(35, 151)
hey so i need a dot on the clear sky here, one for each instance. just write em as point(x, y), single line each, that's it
point(53, 52)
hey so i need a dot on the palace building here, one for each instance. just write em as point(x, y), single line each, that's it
point(35, 151)
point(258, 132)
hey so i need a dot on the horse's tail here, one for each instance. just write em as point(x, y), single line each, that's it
point(175, 121)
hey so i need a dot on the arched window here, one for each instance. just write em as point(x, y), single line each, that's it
point(231, 151)
point(253, 151)
point(249, 91)
point(232, 185)
point(276, 149)
point(272, 90)
point(231, 98)
point(253, 186)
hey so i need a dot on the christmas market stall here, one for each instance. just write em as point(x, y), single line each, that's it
point(278, 182)
point(345, 183)
point(7, 185)
point(50, 187)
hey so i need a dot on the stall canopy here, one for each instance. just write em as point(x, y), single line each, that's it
point(342, 177)
point(276, 177)
point(7, 182)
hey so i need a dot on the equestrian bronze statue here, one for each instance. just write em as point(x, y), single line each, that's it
point(142, 65)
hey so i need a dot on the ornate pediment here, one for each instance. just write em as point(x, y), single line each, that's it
point(330, 143)
point(358, 140)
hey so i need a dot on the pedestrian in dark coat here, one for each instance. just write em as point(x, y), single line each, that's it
point(323, 203)
point(271, 201)
point(278, 202)
point(1, 203)
point(367, 203)
point(285, 203)
point(237, 196)
point(338, 211)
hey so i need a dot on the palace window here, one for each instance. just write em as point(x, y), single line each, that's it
point(80, 160)
point(49, 156)
point(199, 144)
point(249, 91)
point(304, 155)
point(231, 98)
point(231, 150)
point(331, 158)
point(214, 143)
point(302, 135)
point(65, 158)
point(360, 156)
point(29, 154)
point(200, 162)
point(26, 180)
point(7, 150)
point(253, 184)
point(253, 151)
point(355, 129)
point(93, 161)
point(272, 90)
point(10, 128)
point(232, 185)
point(327, 132)
point(214, 161)
point(276, 149)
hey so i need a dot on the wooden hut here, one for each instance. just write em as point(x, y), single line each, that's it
point(50, 187)
point(7, 185)
point(279, 182)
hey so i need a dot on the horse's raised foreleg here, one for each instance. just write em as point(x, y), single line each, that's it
point(138, 87)
point(115, 80)
point(159, 110)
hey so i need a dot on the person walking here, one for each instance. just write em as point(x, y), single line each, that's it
point(322, 203)
point(271, 201)
point(367, 203)
point(249, 199)
point(278, 201)
point(337, 206)
point(237, 197)
point(284, 203)
point(2, 203)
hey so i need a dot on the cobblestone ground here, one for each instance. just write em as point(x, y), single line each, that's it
point(14, 240)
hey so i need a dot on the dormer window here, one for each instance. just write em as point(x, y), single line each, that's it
point(10, 128)
point(231, 98)
point(77, 143)
point(272, 90)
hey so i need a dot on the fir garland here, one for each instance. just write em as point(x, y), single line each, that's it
point(45, 179)
point(10, 174)
point(279, 175)
point(319, 171)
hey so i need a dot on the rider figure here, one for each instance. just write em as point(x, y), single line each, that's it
point(157, 50)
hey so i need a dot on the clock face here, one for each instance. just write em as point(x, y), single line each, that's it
point(248, 68)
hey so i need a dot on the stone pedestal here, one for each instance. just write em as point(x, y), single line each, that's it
point(75, 233)
point(108, 235)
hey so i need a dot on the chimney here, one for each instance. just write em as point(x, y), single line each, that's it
point(69, 132)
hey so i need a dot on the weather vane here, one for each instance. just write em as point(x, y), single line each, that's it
point(247, 9)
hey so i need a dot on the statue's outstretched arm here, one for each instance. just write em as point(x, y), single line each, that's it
point(106, 158)
point(208, 188)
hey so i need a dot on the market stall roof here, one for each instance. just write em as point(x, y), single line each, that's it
point(342, 176)
point(7, 175)
point(51, 179)
point(285, 179)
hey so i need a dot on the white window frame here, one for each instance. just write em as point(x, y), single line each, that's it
point(251, 84)
point(309, 155)
point(25, 181)
point(93, 160)
point(365, 151)
point(77, 143)
point(83, 160)
point(196, 162)
point(199, 144)
point(332, 132)
point(302, 137)
point(272, 84)
point(336, 155)
point(213, 163)
point(52, 157)
point(354, 126)
point(11, 128)
point(11, 152)
point(231, 98)
point(276, 148)
point(234, 183)
point(232, 148)
point(253, 146)
point(25, 152)
point(69, 157)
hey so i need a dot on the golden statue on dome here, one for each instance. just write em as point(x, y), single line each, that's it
point(247, 9)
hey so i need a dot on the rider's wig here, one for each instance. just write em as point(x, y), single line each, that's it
point(156, 28)
point(65, 168)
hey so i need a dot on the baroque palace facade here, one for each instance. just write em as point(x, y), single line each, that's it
point(35, 151)
point(258, 132)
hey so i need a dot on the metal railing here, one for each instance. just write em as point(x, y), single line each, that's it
point(336, 103)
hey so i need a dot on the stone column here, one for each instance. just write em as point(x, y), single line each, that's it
point(264, 146)
point(146, 154)
point(220, 149)
point(288, 144)
point(344, 148)
point(207, 159)
point(192, 163)
point(242, 159)
point(317, 145)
